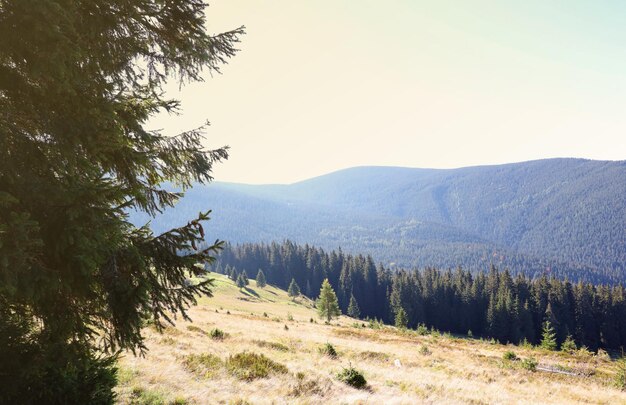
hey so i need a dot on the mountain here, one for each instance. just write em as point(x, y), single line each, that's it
point(566, 216)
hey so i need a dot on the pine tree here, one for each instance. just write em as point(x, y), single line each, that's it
point(294, 289)
point(548, 337)
point(260, 279)
point(244, 276)
point(241, 282)
point(80, 81)
point(327, 303)
point(401, 320)
point(353, 308)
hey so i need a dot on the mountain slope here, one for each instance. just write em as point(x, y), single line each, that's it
point(186, 365)
point(529, 216)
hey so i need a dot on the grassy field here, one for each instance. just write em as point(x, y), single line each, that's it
point(191, 363)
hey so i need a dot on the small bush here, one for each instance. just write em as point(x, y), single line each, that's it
point(328, 350)
point(584, 352)
point(529, 364)
point(352, 377)
point(470, 334)
point(509, 355)
point(204, 365)
point(286, 327)
point(526, 344)
point(289, 316)
point(217, 334)
point(425, 351)
point(311, 320)
point(421, 330)
point(569, 345)
point(249, 366)
point(265, 315)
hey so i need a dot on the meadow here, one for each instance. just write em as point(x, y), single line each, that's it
point(259, 346)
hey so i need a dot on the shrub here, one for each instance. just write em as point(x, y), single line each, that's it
point(352, 377)
point(529, 364)
point(509, 355)
point(265, 315)
point(328, 350)
point(569, 345)
point(217, 334)
point(424, 350)
point(204, 365)
point(286, 327)
point(470, 334)
point(249, 366)
point(421, 330)
point(289, 316)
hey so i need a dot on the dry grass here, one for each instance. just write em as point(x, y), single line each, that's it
point(185, 365)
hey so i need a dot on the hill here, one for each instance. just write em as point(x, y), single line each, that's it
point(185, 364)
point(565, 214)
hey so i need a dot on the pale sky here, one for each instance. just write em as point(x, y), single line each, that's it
point(328, 84)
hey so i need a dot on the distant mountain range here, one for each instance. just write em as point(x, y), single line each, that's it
point(562, 216)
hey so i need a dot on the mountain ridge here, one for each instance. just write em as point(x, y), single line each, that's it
point(563, 212)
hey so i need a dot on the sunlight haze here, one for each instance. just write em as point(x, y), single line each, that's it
point(320, 86)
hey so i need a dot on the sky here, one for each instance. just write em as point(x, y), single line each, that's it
point(324, 85)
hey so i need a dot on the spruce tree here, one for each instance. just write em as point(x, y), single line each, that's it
point(548, 337)
point(327, 303)
point(241, 282)
point(244, 276)
point(569, 345)
point(80, 80)
point(293, 290)
point(401, 320)
point(353, 308)
point(260, 279)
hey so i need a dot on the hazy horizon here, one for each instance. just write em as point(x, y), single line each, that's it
point(319, 87)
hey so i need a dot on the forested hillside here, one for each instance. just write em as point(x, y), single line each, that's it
point(491, 303)
point(558, 216)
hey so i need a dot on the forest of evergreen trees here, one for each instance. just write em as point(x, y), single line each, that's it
point(492, 304)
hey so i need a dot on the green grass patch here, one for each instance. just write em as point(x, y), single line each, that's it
point(249, 366)
point(203, 365)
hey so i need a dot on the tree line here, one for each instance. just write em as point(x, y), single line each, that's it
point(493, 303)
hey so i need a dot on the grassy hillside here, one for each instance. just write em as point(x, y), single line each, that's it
point(185, 364)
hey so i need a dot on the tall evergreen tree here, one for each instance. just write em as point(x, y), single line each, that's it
point(327, 303)
point(294, 289)
point(260, 279)
point(244, 276)
point(353, 308)
point(79, 81)
point(401, 320)
point(241, 282)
